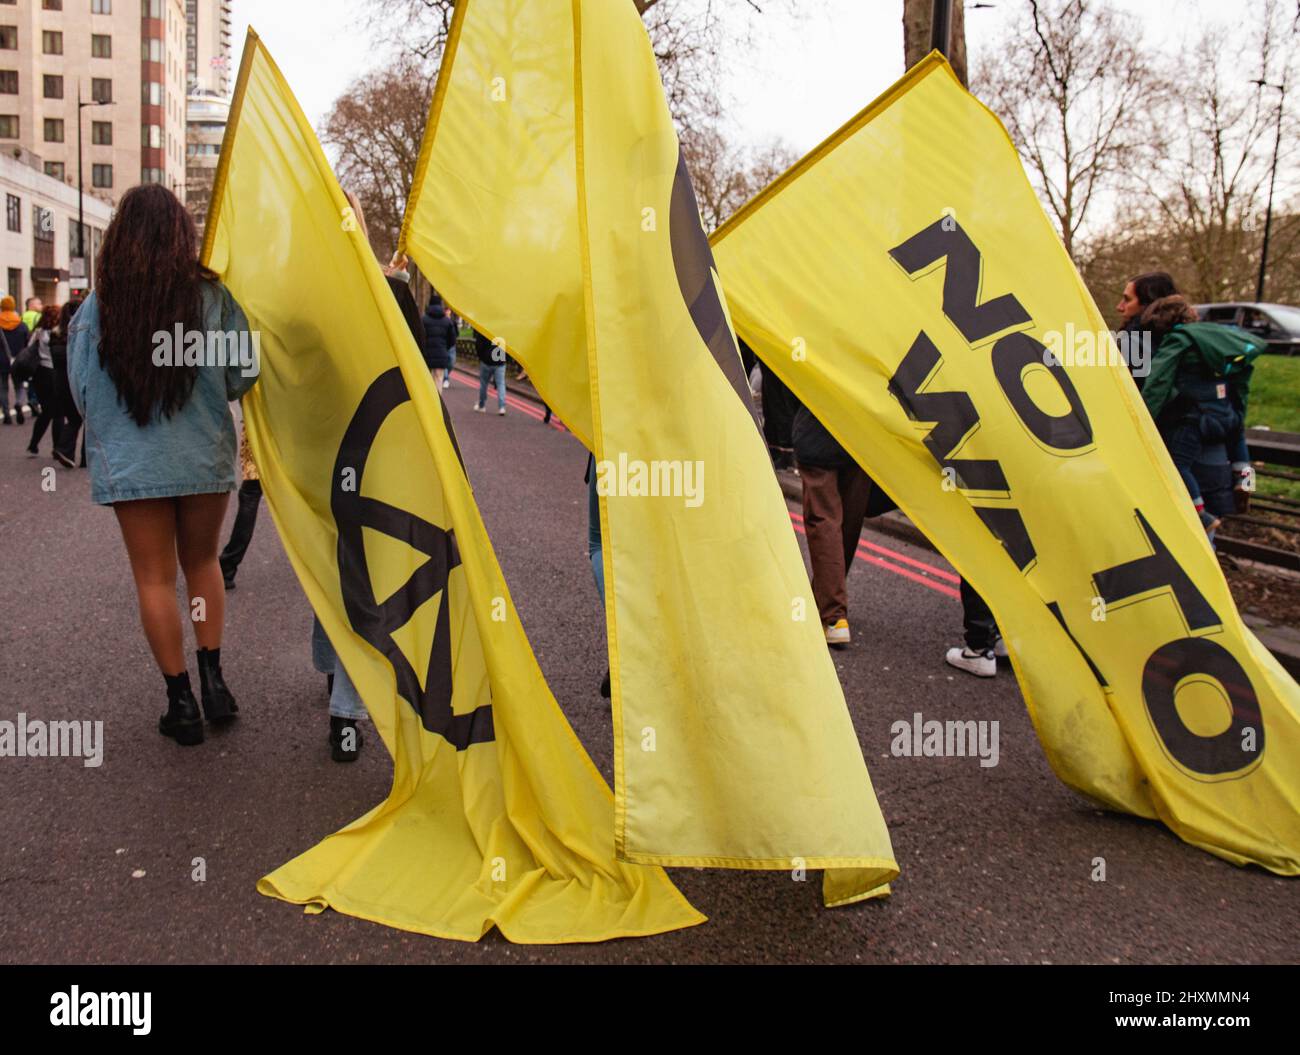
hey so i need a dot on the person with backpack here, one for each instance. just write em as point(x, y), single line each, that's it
point(160, 436)
point(13, 341)
point(1197, 393)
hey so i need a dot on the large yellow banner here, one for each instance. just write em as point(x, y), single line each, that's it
point(905, 283)
point(496, 815)
point(552, 208)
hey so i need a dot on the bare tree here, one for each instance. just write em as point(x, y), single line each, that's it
point(1207, 185)
point(691, 40)
point(726, 175)
point(376, 128)
point(918, 19)
point(1075, 91)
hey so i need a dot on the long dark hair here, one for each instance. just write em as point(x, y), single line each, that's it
point(65, 318)
point(148, 280)
point(49, 318)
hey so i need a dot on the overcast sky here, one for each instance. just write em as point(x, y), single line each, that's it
point(802, 78)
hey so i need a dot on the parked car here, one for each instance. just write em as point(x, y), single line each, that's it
point(1278, 324)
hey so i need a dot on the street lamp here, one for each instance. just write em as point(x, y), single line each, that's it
point(81, 183)
point(1268, 213)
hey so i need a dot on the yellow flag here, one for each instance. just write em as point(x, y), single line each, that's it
point(904, 282)
point(553, 209)
point(496, 814)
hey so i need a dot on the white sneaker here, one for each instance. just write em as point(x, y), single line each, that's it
point(501, 411)
point(981, 664)
point(838, 633)
point(480, 408)
point(446, 382)
point(1000, 649)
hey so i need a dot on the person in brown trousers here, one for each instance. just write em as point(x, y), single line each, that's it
point(836, 496)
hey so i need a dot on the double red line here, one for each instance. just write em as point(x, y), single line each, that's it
point(938, 579)
point(522, 405)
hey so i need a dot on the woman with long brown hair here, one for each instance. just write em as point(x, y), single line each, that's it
point(155, 354)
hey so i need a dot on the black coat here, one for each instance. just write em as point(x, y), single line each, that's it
point(440, 335)
point(487, 351)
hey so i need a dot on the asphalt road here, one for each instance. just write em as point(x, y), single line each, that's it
point(96, 864)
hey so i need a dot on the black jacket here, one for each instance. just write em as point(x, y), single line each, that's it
point(440, 335)
point(15, 341)
point(405, 301)
point(487, 351)
point(813, 445)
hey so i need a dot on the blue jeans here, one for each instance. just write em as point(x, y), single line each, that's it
point(490, 371)
point(345, 701)
point(595, 549)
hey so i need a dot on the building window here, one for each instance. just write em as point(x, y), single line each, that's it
point(54, 130)
point(42, 224)
point(14, 212)
point(153, 8)
point(55, 169)
point(101, 175)
point(101, 89)
point(16, 284)
point(151, 176)
point(8, 126)
point(151, 136)
point(101, 133)
point(52, 42)
point(8, 38)
point(150, 50)
point(53, 86)
point(52, 5)
point(153, 93)
point(101, 7)
point(8, 82)
point(101, 46)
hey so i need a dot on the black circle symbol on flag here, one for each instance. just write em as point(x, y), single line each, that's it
point(376, 621)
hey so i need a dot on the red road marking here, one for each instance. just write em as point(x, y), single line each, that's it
point(864, 548)
point(521, 405)
point(797, 520)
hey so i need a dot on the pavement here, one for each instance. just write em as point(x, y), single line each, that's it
point(154, 855)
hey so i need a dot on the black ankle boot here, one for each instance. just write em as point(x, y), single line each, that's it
point(219, 705)
point(345, 739)
point(182, 722)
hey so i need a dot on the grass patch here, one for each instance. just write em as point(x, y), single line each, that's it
point(1275, 393)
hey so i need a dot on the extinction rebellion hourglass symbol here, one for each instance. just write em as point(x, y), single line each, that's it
point(376, 621)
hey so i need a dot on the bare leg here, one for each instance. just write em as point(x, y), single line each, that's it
point(198, 538)
point(149, 531)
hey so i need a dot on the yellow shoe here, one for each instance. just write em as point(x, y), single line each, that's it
point(838, 633)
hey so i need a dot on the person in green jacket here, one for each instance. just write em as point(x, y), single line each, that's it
point(1197, 393)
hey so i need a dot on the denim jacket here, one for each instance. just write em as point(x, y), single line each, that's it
point(193, 451)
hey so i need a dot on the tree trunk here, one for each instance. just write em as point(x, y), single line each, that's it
point(917, 17)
